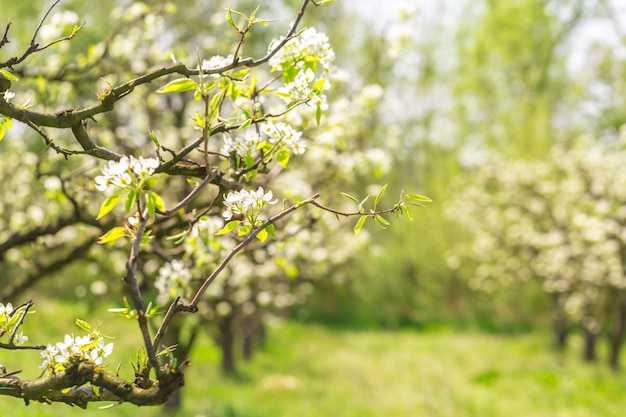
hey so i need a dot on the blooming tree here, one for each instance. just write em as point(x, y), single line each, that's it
point(559, 221)
point(230, 126)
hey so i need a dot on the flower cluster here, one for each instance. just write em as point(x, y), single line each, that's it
point(172, 281)
point(285, 135)
point(279, 136)
point(7, 324)
point(298, 60)
point(217, 62)
point(126, 173)
point(305, 87)
point(310, 43)
point(86, 348)
point(243, 146)
point(247, 204)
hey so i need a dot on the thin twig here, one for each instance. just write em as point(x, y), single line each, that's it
point(193, 306)
point(188, 197)
point(27, 305)
point(249, 62)
point(49, 141)
point(135, 291)
point(34, 46)
point(169, 315)
point(43, 19)
point(5, 37)
point(355, 213)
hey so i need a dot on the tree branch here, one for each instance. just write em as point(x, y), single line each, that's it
point(193, 306)
point(69, 387)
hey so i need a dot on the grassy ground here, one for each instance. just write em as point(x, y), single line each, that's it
point(312, 371)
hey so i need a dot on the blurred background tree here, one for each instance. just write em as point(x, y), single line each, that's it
point(437, 90)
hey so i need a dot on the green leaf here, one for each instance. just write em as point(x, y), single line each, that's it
point(108, 205)
point(91, 345)
point(229, 227)
point(359, 225)
point(229, 18)
point(244, 230)
point(8, 75)
point(112, 235)
point(380, 194)
point(264, 146)
point(75, 30)
point(408, 213)
point(145, 239)
point(381, 220)
point(245, 124)
point(130, 200)
point(83, 325)
point(319, 84)
point(270, 229)
point(262, 235)
point(421, 198)
point(179, 237)
point(118, 310)
point(282, 95)
point(209, 86)
point(216, 102)
point(252, 85)
point(199, 120)
point(178, 86)
point(249, 160)
point(155, 202)
point(15, 318)
point(283, 158)
point(346, 195)
point(154, 138)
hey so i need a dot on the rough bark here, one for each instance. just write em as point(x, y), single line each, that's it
point(70, 387)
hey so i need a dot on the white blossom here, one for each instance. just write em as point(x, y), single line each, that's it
point(309, 43)
point(246, 203)
point(284, 134)
point(244, 146)
point(8, 95)
point(20, 339)
point(125, 173)
point(216, 62)
point(144, 167)
point(303, 88)
point(84, 348)
point(5, 311)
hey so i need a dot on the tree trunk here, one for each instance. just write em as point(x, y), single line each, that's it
point(559, 323)
point(589, 351)
point(227, 343)
point(618, 328)
point(253, 333)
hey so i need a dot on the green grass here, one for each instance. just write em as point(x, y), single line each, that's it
point(313, 371)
